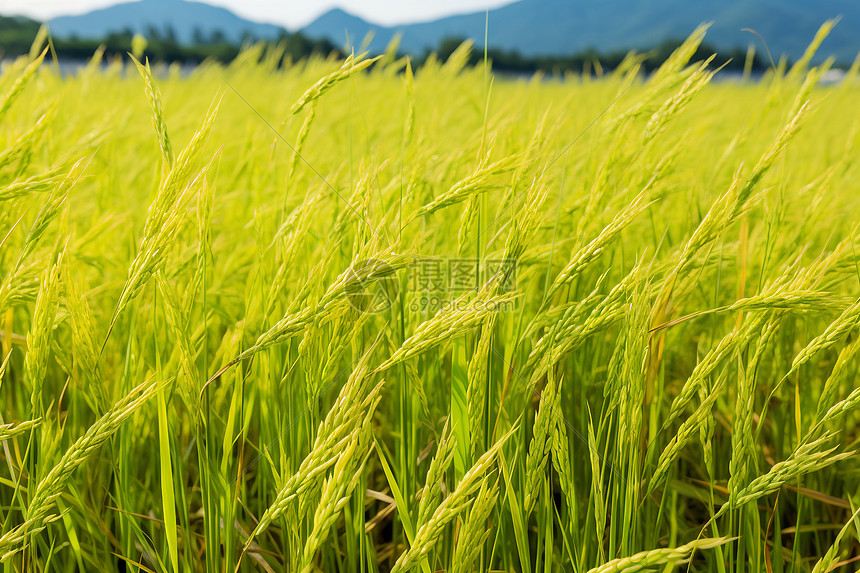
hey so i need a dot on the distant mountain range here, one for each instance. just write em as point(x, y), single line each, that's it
point(530, 27)
point(185, 19)
point(555, 27)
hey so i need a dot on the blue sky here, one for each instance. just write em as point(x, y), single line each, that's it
point(290, 13)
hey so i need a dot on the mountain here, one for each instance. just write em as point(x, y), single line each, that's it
point(185, 18)
point(558, 27)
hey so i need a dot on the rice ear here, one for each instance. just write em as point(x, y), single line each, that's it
point(9, 431)
point(656, 557)
point(41, 334)
point(153, 94)
point(350, 66)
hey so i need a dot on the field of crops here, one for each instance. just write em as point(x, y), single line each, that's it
point(350, 316)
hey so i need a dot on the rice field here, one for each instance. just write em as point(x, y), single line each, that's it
point(343, 315)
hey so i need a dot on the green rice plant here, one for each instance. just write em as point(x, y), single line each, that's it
point(19, 155)
point(303, 136)
point(743, 443)
point(35, 184)
point(562, 464)
point(800, 66)
point(438, 321)
point(432, 492)
point(579, 322)
point(688, 431)
point(836, 377)
point(672, 106)
point(179, 324)
point(593, 249)
point(354, 279)
point(336, 491)
point(839, 408)
point(50, 210)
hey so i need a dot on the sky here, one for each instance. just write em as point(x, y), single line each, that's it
point(289, 13)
